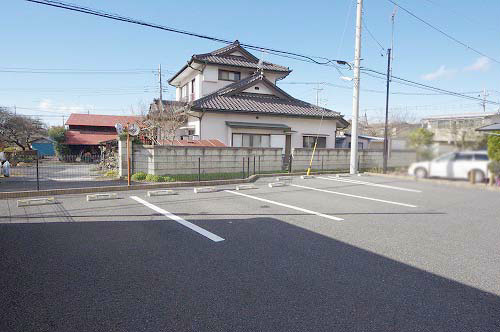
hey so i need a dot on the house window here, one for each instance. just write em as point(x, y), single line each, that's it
point(192, 89)
point(226, 75)
point(360, 145)
point(308, 142)
point(251, 140)
point(444, 124)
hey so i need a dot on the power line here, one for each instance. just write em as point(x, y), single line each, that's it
point(372, 36)
point(86, 10)
point(447, 35)
point(376, 91)
point(301, 57)
point(428, 87)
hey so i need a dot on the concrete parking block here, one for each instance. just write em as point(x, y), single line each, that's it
point(161, 192)
point(277, 184)
point(204, 190)
point(284, 178)
point(245, 187)
point(98, 197)
point(35, 201)
point(305, 177)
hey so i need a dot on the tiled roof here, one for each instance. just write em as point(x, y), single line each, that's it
point(237, 61)
point(223, 56)
point(97, 120)
point(490, 127)
point(232, 98)
point(77, 137)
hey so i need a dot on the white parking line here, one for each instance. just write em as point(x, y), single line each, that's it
point(368, 184)
point(355, 196)
point(181, 221)
point(286, 205)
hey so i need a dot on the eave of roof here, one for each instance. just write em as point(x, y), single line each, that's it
point(253, 125)
point(232, 98)
point(223, 53)
point(490, 127)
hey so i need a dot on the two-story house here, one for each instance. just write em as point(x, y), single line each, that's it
point(233, 97)
point(451, 130)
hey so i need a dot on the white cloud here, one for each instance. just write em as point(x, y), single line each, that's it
point(441, 72)
point(481, 64)
point(49, 106)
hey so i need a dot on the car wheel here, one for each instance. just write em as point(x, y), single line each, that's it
point(479, 176)
point(420, 173)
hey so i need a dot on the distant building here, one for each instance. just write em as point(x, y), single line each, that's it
point(43, 147)
point(364, 142)
point(450, 130)
point(86, 132)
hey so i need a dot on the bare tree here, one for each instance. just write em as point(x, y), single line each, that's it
point(163, 120)
point(19, 130)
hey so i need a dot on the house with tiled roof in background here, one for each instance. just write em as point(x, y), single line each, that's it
point(87, 132)
point(233, 97)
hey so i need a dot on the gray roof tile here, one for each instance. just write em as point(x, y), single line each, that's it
point(232, 98)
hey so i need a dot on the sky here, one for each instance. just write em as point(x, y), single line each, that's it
point(110, 67)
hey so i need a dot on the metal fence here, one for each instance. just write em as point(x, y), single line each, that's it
point(206, 167)
point(71, 171)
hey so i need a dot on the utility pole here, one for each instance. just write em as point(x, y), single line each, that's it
point(318, 90)
point(353, 169)
point(484, 99)
point(386, 142)
point(161, 89)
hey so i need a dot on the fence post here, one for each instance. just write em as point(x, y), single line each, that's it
point(243, 176)
point(322, 169)
point(290, 164)
point(253, 164)
point(199, 169)
point(37, 175)
point(259, 164)
point(248, 166)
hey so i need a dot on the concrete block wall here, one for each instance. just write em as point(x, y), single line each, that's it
point(333, 159)
point(166, 160)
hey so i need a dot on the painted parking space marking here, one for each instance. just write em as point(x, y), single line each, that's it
point(367, 184)
point(355, 196)
point(178, 219)
point(286, 205)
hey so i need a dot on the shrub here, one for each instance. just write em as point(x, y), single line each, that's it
point(494, 167)
point(112, 172)
point(139, 176)
point(166, 178)
point(153, 178)
point(494, 147)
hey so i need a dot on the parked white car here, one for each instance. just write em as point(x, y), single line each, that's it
point(454, 165)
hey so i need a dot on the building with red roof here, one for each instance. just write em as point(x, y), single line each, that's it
point(86, 132)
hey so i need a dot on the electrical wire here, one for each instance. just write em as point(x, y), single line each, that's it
point(447, 35)
point(86, 10)
point(426, 87)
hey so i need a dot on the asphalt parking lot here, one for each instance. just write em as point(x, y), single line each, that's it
point(325, 254)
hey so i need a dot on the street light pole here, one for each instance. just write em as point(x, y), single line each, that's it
point(353, 169)
point(386, 143)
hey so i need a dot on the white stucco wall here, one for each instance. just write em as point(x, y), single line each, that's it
point(214, 127)
point(208, 81)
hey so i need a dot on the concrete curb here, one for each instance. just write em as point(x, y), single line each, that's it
point(438, 181)
point(145, 186)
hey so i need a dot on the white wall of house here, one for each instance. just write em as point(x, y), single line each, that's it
point(214, 127)
point(207, 82)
